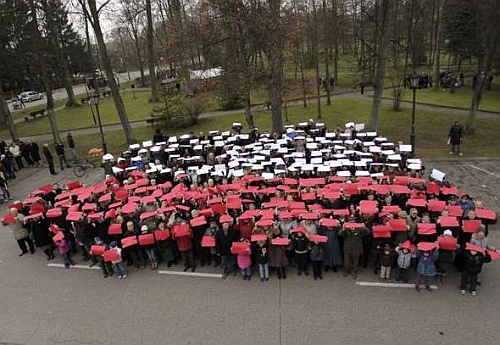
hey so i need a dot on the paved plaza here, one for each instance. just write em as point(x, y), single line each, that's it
point(52, 305)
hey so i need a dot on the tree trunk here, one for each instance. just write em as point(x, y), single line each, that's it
point(115, 93)
point(151, 53)
point(384, 16)
point(248, 110)
point(326, 47)
point(40, 48)
point(275, 48)
point(316, 57)
point(6, 117)
point(437, 49)
point(68, 85)
point(476, 99)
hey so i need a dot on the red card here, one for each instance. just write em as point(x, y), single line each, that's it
point(54, 228)
point(37, 209)
point(245, 216)
point(53, 213)
point(280, 241)
point(285, 215)
point(368, 206)
point(146, 215)
point(206, 212)
point(400, 189)
point(264, 222)
point(240, 248)
point(310, 216)
point(406, 245)
point(258, 237)
point(341, 212)
point(448, 222)
point(111, 255)
point(351, 225)
point(308, 196)
point(426, 228)
point(146, 239)
point(318, 238)
point(494, 255)
point(129, 241)
point(95, 216)
point(401, 180)
point(162, 235)
point(9, 219)
point(455, 211)
point(417, 202)
point(208, 242)
point(470, 226)
point(105, 198)
point(381, 231)
point(182, 230)
point(225, 218)
point(218, 208)
point(296, 205)
point(450, 191)
point(433, 188)
point(381, 189)
point(329, 222)
point(97, 250)
point(233, 202)
point(198, 221)
point(427, 246)
point(88, 207)
point(214, 201)
point(447, 243)
point(485, 214)
point(33, 216)
point(299, 229)
point(58, 237)
point(436, 205)
point(115, 229)
point(391, 209)
point(290, 181)
point(398, 225)
point(129, 208)
point(470, 246)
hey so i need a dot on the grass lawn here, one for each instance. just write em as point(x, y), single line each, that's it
point(26, 111)
point(432, 128)
point(461, 98)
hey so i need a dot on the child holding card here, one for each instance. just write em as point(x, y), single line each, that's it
point(65, 252)
point(404, 261)
point(301, 246)
point(426, 267)
point(262, 258)
point(386, 262)
point(317, 256)
point(120, 268)
point(244, 260)
point(473, 264)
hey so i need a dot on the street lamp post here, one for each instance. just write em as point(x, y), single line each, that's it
point(95, 98)
point(415, 79)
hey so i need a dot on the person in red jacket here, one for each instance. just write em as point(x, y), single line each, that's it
point(185, 245)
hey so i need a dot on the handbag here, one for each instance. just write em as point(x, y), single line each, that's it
point(449, 141)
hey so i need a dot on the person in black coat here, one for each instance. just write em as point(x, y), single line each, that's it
point(61, 154)
point(49, 158)
point(473, 264)
point(39, 228)
point(224, 239)
point(455, 137)
point(25, 153)
point(34, 152)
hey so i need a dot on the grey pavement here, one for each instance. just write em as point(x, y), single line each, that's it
point(47, 305)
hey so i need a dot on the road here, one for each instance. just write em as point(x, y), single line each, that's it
point(77, 89)
point(51, 305)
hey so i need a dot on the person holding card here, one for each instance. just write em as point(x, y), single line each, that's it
point(117, 262)
point(210, 254)
point(445, 260)
point(183, 236)
point(65, 252)
point(244, 259)
point(473, 264)
point(301, 246)
point(403, 252)
point(21, 233)
point(39, 228)
point(353, 248)
point(426, 267)
point(262, 258)
point(224, 239)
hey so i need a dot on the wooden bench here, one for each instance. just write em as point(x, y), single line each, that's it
point(34, 114)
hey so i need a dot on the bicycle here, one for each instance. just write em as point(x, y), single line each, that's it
point(81, 168)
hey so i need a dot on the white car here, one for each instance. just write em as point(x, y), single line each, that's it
point(30, 96)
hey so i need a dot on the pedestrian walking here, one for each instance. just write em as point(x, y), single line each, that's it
point(61, 154)
point(16, 153)
point(72, 147)
point(49, 158)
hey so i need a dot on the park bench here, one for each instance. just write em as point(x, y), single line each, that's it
point(34, 114)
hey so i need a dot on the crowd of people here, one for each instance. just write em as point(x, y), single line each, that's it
point(312, 199)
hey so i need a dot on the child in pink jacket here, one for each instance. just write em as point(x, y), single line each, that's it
point(65, 252)
point(245, 261)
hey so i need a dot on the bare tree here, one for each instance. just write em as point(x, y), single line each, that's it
point(151, 53)
point(92, 13)
point(5, 116)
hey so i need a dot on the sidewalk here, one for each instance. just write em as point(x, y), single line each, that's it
point(452, 112)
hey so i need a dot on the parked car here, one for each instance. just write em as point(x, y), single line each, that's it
point(30, 96)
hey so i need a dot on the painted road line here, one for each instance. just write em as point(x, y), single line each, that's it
point(75, 266)
point(482, 170)
point(191, 274)
point(392, 285)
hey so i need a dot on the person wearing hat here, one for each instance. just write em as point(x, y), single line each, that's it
point(20, 232)
point(426, 267)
